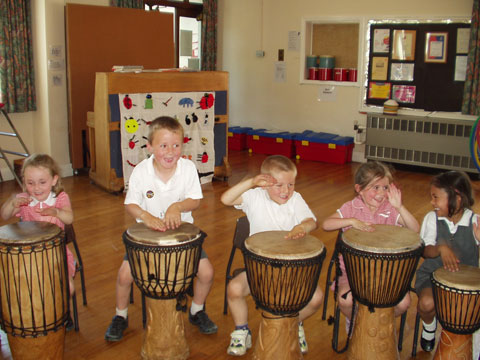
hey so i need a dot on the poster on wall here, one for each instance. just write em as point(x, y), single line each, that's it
point(404, 93)
point(379, 68)
point(401, 72)
point(194, 110)
point(404, 45)
point(381, 40)
point(378, 90)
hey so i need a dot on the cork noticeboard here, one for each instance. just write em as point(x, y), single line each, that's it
point(99, 37)
point(339, 40)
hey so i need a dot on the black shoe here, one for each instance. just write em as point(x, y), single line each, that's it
point(116, 328)
point(201, 319)
point(427, 345)
point(69, 325)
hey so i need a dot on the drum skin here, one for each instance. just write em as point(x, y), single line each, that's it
point(35, 301)
point(457, 305)
point(380, 267)
point(163, 266)
point(283, 276)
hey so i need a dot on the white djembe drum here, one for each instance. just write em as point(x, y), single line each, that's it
point(457, 304)
point(163, 267)
point(34, 289)
point(380, 266)
point(282, 275)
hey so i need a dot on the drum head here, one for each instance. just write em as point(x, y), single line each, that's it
point(28, 232)
point(385, 239)
point(272, 244)
point(466, 278)
point(141, 234)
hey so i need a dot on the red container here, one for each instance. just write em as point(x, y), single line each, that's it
point(324, 147)
point(270, 143)
point(325, 74)
point(313, 73)
point(340, 74)
point(352, 75)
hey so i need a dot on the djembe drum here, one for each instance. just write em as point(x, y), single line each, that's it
point(457, 304)
point(282, 275)
point(34, 289)
point(380, 266)
point(163, 266)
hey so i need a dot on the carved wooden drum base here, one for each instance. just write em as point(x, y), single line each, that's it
point(49, 347)
point(277, 339)
point(374, 335)
point(164, 336)
point(454, 346)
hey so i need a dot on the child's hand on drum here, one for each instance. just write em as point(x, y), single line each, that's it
point(153, 222)
point(173, 217)
point(297, 232)
point(449, 259)
point(264, 180)
point(394, 196)
point(362, 226)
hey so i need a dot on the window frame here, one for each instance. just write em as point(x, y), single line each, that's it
point(182, 9)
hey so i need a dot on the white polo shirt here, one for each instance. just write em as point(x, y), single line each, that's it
point(428, 232)
point(264, 214)
point(153, 195)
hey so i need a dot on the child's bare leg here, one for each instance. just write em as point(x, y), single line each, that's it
point(313, 305)
point(426, 305)
point(71, 285)
point(345, 299)
point(124, 284)
point(236, 292)
point(201, 288)
point(403, 305)
point(203, 282)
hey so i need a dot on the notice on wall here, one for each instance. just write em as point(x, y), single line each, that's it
point(327, 93)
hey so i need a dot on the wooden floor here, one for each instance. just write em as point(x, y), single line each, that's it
point(100, 220)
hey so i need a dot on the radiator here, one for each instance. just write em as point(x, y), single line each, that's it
point(424, 141)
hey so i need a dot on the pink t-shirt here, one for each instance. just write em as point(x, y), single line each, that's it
point(386, 214)
point(28, 213)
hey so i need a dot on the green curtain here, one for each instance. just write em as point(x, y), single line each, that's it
point(134, 4)
point(471, 92)
point(209, 35)
point(17, 77)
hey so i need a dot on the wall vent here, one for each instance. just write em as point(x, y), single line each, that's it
point(432, 142)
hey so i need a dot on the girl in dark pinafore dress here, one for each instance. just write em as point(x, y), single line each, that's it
point(450, 233)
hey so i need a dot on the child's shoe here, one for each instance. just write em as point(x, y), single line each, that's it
point(116, 328)
point(301, 339)
point(240, 342)
point(201, 319)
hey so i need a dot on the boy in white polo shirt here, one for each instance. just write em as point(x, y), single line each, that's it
point(163, 191)
point(270, 203)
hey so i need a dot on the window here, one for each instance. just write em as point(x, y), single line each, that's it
point(187, 28)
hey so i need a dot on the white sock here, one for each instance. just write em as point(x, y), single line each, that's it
point(428, 332)
point(194, 308)
point(123, 313)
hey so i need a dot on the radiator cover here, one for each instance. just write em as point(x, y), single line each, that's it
point(423, 141)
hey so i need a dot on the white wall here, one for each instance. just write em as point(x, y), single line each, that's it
point(256, 100)
point(46, 129)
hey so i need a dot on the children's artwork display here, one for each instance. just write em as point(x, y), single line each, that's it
point(194, 110)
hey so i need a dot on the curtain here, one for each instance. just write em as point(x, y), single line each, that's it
point(134, 4)
point(17, 77)
point(209, 35)
point(471, 92)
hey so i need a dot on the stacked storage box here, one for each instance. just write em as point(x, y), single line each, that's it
point(237, 137)
point(325, 147)
point(261, 141)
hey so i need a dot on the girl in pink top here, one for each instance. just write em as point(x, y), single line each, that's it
point(378, 201)
point(43, 199)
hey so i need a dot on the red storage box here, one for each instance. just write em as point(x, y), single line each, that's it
point(261, 141)
point(325, 147)
point(237, 137)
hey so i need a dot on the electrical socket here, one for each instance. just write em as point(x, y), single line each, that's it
point(260, 53)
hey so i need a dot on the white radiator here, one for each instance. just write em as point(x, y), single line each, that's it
point(423, 141)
